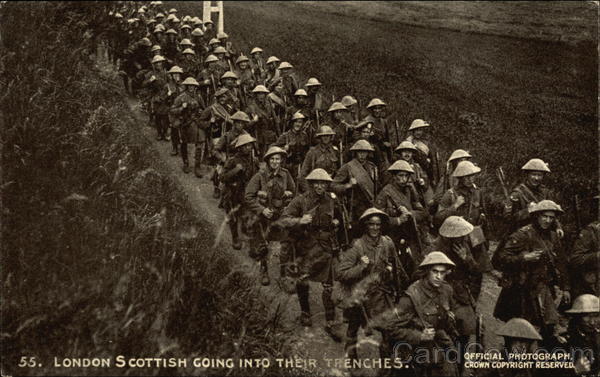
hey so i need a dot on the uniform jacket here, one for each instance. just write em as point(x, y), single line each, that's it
point(585, 261)
point(520, 197)
point(363, 194)
point(297, 143)
point(320, 156)
point(274, 184)
point(471, 209)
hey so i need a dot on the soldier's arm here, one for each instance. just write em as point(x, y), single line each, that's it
point(510, 257)
point(230, 171)
point(292, 213)
point(291, 185)
point(381, 202)
point(351, 268)
point(307, 166)
point(177, 107)
point(520, 212)
point(585, 251)
point(251, 194)
point(280, 142)
point(340, 179)
point(399, 327)
point(445, 209)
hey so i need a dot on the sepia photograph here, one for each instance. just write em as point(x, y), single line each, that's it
point(299, 188)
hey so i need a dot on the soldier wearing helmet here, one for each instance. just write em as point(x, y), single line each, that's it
point(337, 120)
point(584, 334)
point(405, 211)
point(295, 143)
point(446, 180)
point(230, 53)
point(381, 132)
point(300, 104)
point(258, 65)
point(209, 29)
point(520, 337)
point(371, 276)
point(171, 48)
point(225, 146)
point(421, 182)
point(531, 190)
point(315, 96)
point(210, 76)
point(229, 81)
point(267, 194)
point(288, 77)
point(364, 131)
point(584, 262)
point(189, 61)
point(427, 321)
point(243, 70)
point(428, 156)
point(156, 82)
point(197, 38)
point(174, 89)
point(266, 123)
point(358, 182)
point(237, 171)
point(352, 116)
point(281, 103)
point(272, 73)
point(313, 219)
point(185, 110)
point(532, 273)
point(324, 155)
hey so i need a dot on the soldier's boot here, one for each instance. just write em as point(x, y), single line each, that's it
point(235, 237)
point(184, 157)
point(174, 141)
point(264, 272)
point(305, 317)
point(333, 328)
point(198, 161)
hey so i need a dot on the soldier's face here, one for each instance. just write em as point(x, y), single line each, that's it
point(261, 96)
point(339, 115)
point(238, 125)
point(301, 100)
point(189, 57)
point(468, 181)
point(158, 66)
point(320, 187)
point(377, 111)
point(546, 219)
point(590, 322)
point(361, 156)
point(275, 161)
point(222, 100)
point(374, 227)
point(535, 178)
point(406, 154)
point(437, 274)
point(246, 148)
point(419, 133)
point(326, 139)
point(229, 83)
point(176, 77)
point(366, 133)
point(297, 125)
point(272, 66)
point(313, 89)
point(402, 178)
point(243, 65)
point(517, 345)
point(190, 89)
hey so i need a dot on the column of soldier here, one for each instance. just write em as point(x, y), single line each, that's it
point(405, 237)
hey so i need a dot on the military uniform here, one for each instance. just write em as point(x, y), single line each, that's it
point(320, 156)
point(521, 197)
point(297, 145)
point(185, 119)
point(265, 127)
point(427, 157)
point(158, 100)
point(584, 261)
point(471, 210)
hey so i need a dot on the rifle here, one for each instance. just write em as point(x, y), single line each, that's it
point(397, 128)
point(502, 179)
point(375, 179)
point(345, 225)
point(577, 214)
point(317, 119)
point(479, 333)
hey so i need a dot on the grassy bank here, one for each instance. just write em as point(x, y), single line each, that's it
point(102, 254)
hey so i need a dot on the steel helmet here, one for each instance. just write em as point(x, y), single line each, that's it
point(155, 48)
point(158, 59)
point(312, 82)
point(190, 81)
point(370, 212)
point(260, 89)
point(298, 115)
point(546, 205)
point(150, 22)
point(176, 20)
point(242, 58)
point(244, 139)
point(185, 26)
point(454, 227)
point(336, 106)
point(214, 41)
point(160, 15)
point(172, 10)
point(519, 328)
point(221, 92)
point(197, 21)
point(362, 145)
point(197, 32)
point(319, 175)
point(406, 145)
point(401, 165)
point(418, 123)
point(208, 22)
point(186, 18)
point(325, 131)
point(229, 75)
point(220, 50)
point(436, 257)
point(175, 69)
point(465, 168)
point(146, 42)
point(241, 116)
point(255, 50)
point(376, 102)
point(222, 36)
point(188, 51)
point(301, 92)
point(285, 65)
point(535, 164)
point(171, 31)
point(170, 17)
point(141, 10)
point(160, 26)
point(349, 101)
point(211, 58)
point(273, 59)
point(274, 150)
point(186, 42)
point(585, 303)
point(118, 15)
point(363, 124)
point(158, 30)
point(459, 153)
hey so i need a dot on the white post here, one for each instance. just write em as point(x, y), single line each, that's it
point(221, 26)
point(208, 9)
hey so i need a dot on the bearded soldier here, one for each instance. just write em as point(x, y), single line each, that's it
point(267, 194)
point(531, 277)
point(324, 156)
point(424, 320)
point(312, 220)
point(357, 180)
point(400, 202)
point(295, 143)
point(371, 275)
point(237, 171)
point(428, 154)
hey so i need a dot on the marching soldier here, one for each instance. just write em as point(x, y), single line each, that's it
point(261, 109)
point(421, 182)
point(371, 275)
point(290, 82)
point(159, 110)
point(584, 334)
point(236, 97)
point(197, 37)
point(281, 103)
point(245, 74)
point(171, 47)
point(295, 143)
point(189, 63)
point(364, 131)
point(237, 171)
point(338, 123)
point(446, 180)
point(406, 213)
point(224, 40)
point(174, 89)
point(465, 279)
point(381, 134)
point(315, 98)
point(259, 67)
point(585, 260)
point(220, 52)
point(209, 30)
point(428, 156)
point(224, 148)
point(531, 277)
point(312, 220)
point(324, 155)
point(267, 194)
point(272, 74)
point(424, 319)
point(353, 114)
point(186, 109)
point(357, 180)
point(209, 76)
